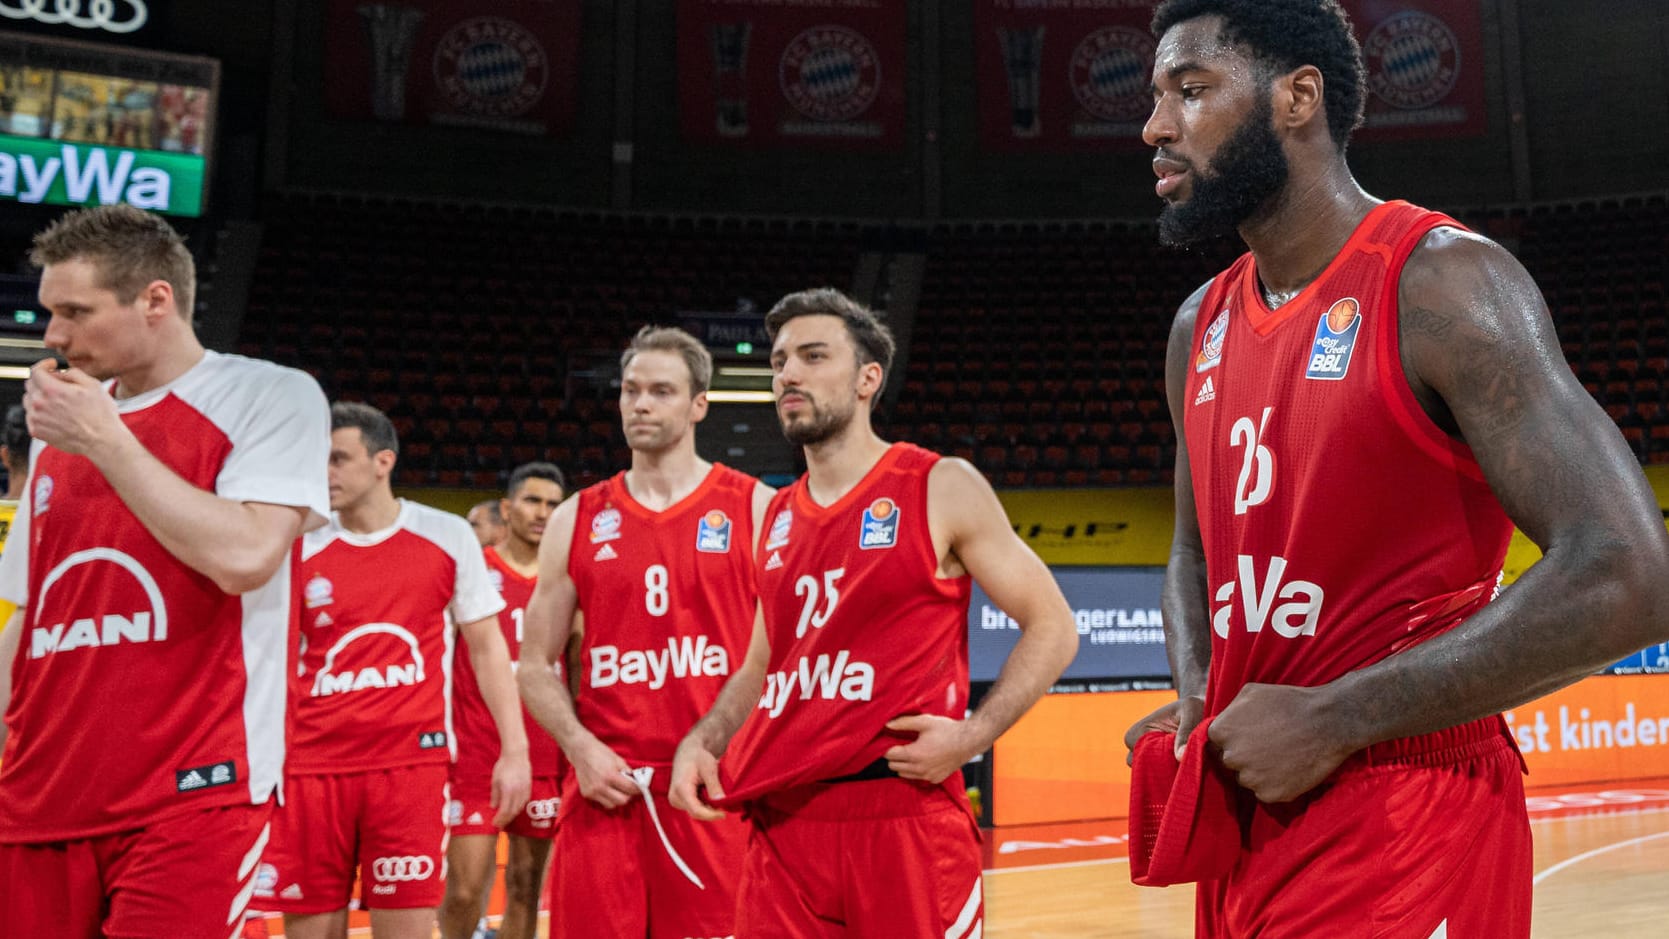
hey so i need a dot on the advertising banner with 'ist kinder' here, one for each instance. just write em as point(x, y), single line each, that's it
point(506, 65)
point(826, 74)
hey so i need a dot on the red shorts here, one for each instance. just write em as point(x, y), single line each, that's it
point(884, 857)
point(471, 811)
point(1410, 839)
point(389, 823)
point(186, 875)
point(612, 878)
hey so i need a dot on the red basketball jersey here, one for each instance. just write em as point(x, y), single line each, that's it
point(478, 744)
point(669, 605)
point(140, 688)
point(862, 630)
point(377, 622)
point(1340, 523)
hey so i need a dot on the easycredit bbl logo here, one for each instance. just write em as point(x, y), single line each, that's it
point(57, 173)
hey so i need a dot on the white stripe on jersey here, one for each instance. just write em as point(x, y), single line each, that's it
point(965, 919)
point(266, 636)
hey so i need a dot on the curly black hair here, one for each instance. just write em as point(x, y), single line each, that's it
point(1286, 34)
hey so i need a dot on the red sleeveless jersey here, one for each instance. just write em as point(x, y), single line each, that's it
point(669, 603)
point(472, 722)
point(861, 629)
point(1340, 524)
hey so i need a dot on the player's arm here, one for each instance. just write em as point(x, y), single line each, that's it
point(696, 763)
point(1481, 354)
point(964, 510)
point(9, 633)
point(237, 544)
point(1183, 597)
point(512, 774)
point(547, 624)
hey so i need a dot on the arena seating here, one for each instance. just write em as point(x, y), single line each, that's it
point(1038, 349)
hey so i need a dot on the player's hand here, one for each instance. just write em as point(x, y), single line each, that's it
point(70, 410)
point(1278, 740)
point(694, 768)
point(512, 787)
point(941, 746)
point(603, 776)
point(1178, 717)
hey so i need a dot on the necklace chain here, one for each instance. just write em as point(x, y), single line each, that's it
point(1276, 300)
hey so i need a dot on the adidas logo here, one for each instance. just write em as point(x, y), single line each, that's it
point(324, 620)
point(292, 892)
point(774, 563)
point(193, 780)
point(605, 553)
point(1208, 392)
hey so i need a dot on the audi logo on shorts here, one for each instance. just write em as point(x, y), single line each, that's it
point(391, 869)
point(541, 810)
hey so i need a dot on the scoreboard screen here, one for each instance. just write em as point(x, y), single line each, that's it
point(86, 124)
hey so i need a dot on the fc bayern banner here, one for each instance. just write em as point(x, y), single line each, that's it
point(510, 65)
point(1063, 74)
point(818, 73)
point(1425, 67)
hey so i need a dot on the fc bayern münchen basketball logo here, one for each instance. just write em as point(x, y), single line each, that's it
point(1110, 71)
point(830, 73)
point(491, 66)
point(1413, 60)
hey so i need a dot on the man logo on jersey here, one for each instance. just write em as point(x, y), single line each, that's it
point(1335, 341)
point(605, 525)
point(319, 592)
point(366, 657)
point(880, 525)
point(1211, 347)
point(92, 629)
point(496, 577)
point(713, 536)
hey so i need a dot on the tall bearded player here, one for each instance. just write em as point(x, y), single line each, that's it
point(852, 780)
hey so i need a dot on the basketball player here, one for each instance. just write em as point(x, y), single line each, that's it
point(151, 564)
point(486, 519)
point(534, 492)
point(383, 588)
point(1365, 404)
point(14, 454)
point(850, 764)
point(659, 561)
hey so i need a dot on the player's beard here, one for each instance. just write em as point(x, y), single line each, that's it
point(815, 424)
point(1244, 174)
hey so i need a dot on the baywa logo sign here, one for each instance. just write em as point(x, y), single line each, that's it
point(59, 173)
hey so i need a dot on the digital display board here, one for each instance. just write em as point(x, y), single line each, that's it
point(1120, 634)
point(93, 124)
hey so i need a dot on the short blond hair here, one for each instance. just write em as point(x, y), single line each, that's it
point(128, 247)
point(675, 340)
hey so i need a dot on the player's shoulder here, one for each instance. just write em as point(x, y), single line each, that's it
point(232, 389)
point(443, 528)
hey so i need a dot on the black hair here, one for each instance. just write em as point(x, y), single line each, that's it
point(373, 425)
point(527, 471)
point(14, 435)
point(1287, 34)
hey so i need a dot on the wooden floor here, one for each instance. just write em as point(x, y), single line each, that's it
point(1602, 870)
